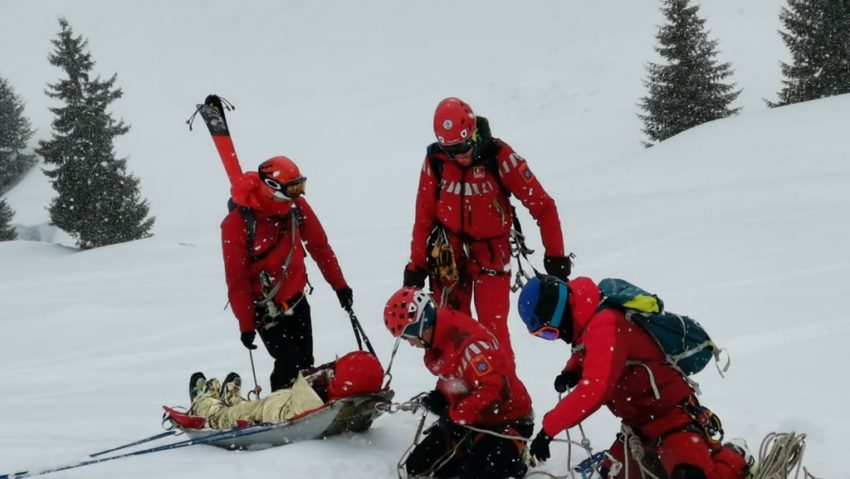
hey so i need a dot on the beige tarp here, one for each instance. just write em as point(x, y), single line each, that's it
point(276, 407)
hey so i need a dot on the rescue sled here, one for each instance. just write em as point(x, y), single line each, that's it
point(350, 414)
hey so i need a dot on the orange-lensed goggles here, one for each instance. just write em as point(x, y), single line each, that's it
point(291, 189)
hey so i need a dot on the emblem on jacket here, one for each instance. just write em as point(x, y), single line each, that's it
point(481, 364)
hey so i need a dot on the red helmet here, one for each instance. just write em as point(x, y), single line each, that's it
point(409, 312)
point(282, 176)
point(454, 122)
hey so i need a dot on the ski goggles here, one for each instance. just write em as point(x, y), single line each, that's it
point(459, 148)
point(291, 189)
point(412, 331)
point(551, 306)
point(426, 319)
point(549, 333)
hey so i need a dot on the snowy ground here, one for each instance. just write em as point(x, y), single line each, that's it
point(740, 223)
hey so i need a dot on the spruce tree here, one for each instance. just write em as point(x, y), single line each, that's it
point(688, 90)
point(98, 201)
point(15, 133)
point(7, 233)
point(817, 33)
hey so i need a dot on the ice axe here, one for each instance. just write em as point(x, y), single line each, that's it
point(257, 387)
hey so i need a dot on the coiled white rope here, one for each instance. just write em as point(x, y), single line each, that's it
point(781, 454)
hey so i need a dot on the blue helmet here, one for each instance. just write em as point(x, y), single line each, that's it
point(542, 304)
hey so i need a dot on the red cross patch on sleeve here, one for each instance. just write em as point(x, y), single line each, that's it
point(481, 364)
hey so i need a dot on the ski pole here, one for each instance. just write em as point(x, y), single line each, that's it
point(358, 331)
point(184, 443)
point(135, 443)
point(354, 327)
point(257, 388)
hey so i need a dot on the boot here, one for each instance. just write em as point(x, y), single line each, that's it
point(230, 390)
point(197, 385)
point(213, 388)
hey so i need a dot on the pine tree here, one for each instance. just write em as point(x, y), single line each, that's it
point(98, 202)
point(818, 36)
point(7, 233)
point(15, 133)
point(688, 90)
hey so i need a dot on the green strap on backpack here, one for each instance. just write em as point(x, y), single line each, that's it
point(684, 341)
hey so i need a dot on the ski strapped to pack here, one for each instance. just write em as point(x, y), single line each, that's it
point(212, 112)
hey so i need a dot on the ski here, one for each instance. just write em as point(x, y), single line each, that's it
point(206, 439)
point(212, 112)
point(135, 443)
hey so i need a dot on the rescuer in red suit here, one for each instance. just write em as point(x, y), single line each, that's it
point(263, 240)
point(463, 220)
point(617, 364)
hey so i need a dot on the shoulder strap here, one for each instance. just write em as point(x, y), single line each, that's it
point(250, 226)
point(250, 222)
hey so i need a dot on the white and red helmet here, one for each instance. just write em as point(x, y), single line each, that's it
point(409, 312)
point(454, 122)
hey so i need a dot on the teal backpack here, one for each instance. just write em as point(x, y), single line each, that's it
point(684, 341)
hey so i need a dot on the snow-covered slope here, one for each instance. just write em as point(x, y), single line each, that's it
point(740, 223)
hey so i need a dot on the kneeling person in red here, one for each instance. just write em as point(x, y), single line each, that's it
point(475, 388)
point(617, 364)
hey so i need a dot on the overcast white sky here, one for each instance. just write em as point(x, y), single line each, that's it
point(740, 223)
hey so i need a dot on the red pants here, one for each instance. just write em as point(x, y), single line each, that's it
point(492, 304)
point(684, 451)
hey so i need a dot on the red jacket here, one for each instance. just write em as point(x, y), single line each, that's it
point(273, 243)
point(481, 389)
point(603, 342)
point(473, 205)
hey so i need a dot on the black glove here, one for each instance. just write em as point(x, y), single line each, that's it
point(540, 446)
point(414, 277)
point(558, 266)
point(437, 404)
point(247, 339)
point(566, 380)
point(346, 298)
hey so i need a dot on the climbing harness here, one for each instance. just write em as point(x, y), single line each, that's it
point(709, 423)
point(270, 291)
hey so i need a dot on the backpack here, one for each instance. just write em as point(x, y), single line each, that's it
point(685, 343)
point(251, 228)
